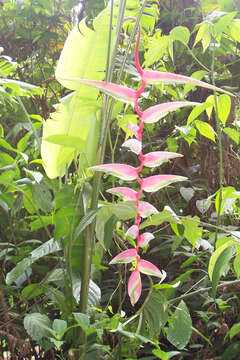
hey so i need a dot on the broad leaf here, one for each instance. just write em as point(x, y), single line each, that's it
point(47, 248)
point(155, 312)
point(224, 107)
point(84, 55)
point(85, 52)
point(180, 33)
point(180, 329)
point(234, 134)
point(158, 219)
point(205, 129)
point(73, 128)
point(219, 262)
point(35, 324)
point(192, 231)
point(94, 292)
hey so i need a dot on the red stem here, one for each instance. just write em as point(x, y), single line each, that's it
point(140, 131)
point(138, 66)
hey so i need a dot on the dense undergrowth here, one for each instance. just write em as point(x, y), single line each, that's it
point(59, 225)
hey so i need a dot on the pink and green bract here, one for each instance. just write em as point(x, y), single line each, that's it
point(153, 159)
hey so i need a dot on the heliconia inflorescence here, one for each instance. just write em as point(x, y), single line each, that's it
point(151, 160)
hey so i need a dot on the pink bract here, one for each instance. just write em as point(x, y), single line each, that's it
point(132, 232)
point(148, 268)
point(156, 182)
point(134, 128)
point(145, 209)
point(125, 192)
point(145, 238)
point(134, 287)
point(134, 145)
point(124, 257)
point(157, 112)
point(161, 77)
point(157, 158)
point(119, 92)
point(122, 171)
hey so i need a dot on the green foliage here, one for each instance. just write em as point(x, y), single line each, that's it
point(180, 326)
point(35, 324)
point(44, 222)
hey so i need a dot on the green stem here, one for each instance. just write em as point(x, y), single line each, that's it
point(89, 231)
point(106, 115)
point(220, 147)
point(30, 122)
point(184, 296)
point(196, 59)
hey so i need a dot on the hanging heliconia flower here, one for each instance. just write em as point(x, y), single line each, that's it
point(151, 160)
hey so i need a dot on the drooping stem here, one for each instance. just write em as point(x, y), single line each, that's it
point(139, 136)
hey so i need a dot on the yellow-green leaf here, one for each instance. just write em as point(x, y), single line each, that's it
point(224, 107)
point(180, 33)
point(205, 129)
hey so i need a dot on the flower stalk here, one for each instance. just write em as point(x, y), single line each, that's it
point(151, 160)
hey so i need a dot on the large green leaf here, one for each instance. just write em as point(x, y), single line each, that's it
point(216, 255)
point(219, 262)
point(75, 117)
point(94, 291)
point(85, 52)
point(73, 128)
point(181, 327)
point(192, 231)
point(47, 248)
point(123, 210)
point(155, 312)
point(35, 324)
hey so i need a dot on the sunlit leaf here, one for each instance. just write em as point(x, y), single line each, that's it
point(205, 129)
point(180, 33)
point(224, 107)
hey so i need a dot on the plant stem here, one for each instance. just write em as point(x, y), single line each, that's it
point(184, 296)
point(30, 122)
point(89, 231)
point(220, 147)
